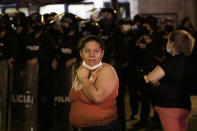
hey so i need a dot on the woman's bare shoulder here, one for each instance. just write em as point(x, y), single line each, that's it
point(107, 69)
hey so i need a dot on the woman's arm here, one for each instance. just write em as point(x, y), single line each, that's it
point(103, 87)
point(154, 76)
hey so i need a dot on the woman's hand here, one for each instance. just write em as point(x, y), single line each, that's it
point(103, 86)
point(82, 73)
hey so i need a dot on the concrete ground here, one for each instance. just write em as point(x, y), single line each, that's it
point(192, 126)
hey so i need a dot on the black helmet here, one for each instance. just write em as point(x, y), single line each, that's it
point(35, 21)
point(19, 19)
point(4, 22)
point(50, 19)
point(35, 18)
point(106, 12)
point(72, 21)
point(107, 18)
point(70, 18)
point(91, 28)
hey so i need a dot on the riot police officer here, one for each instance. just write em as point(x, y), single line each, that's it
point(67, 56)
point(8, 56)
point(9, 48)
point(68, 41)
point(39, 49)
point(109, 33)
point(19, 22)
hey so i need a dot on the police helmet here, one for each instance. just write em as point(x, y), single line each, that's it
point(19, 19)
point(35, 18)
point(71, 19)
point(107, 13)
point(91, 28)
point(5, 22)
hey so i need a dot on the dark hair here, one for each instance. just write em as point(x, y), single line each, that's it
point(88, 38)
point(151, 21)
point(126, 21)
point(138, 18)
point(183, 41)
point(184, 20)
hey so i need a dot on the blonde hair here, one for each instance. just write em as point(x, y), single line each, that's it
point(183, 41)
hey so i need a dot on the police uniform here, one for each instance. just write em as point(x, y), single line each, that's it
point(42, 48)
point(8, 49)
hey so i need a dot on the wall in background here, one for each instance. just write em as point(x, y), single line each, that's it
point(183, 8)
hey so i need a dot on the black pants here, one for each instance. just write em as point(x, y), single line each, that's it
point(111, 126)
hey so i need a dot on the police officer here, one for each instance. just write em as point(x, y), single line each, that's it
point(67, 56)
point(39, 49)
point(51, 26)
point(19, 22)
point(68, 40)
point(8, 46)
point(8, 56)
point(109, 33)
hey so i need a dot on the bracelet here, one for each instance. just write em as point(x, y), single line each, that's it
point(146, 79)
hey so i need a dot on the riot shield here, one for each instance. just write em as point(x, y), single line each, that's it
point(63, 83)
point(45, 98)
point(23, 98)
point(3, 95)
